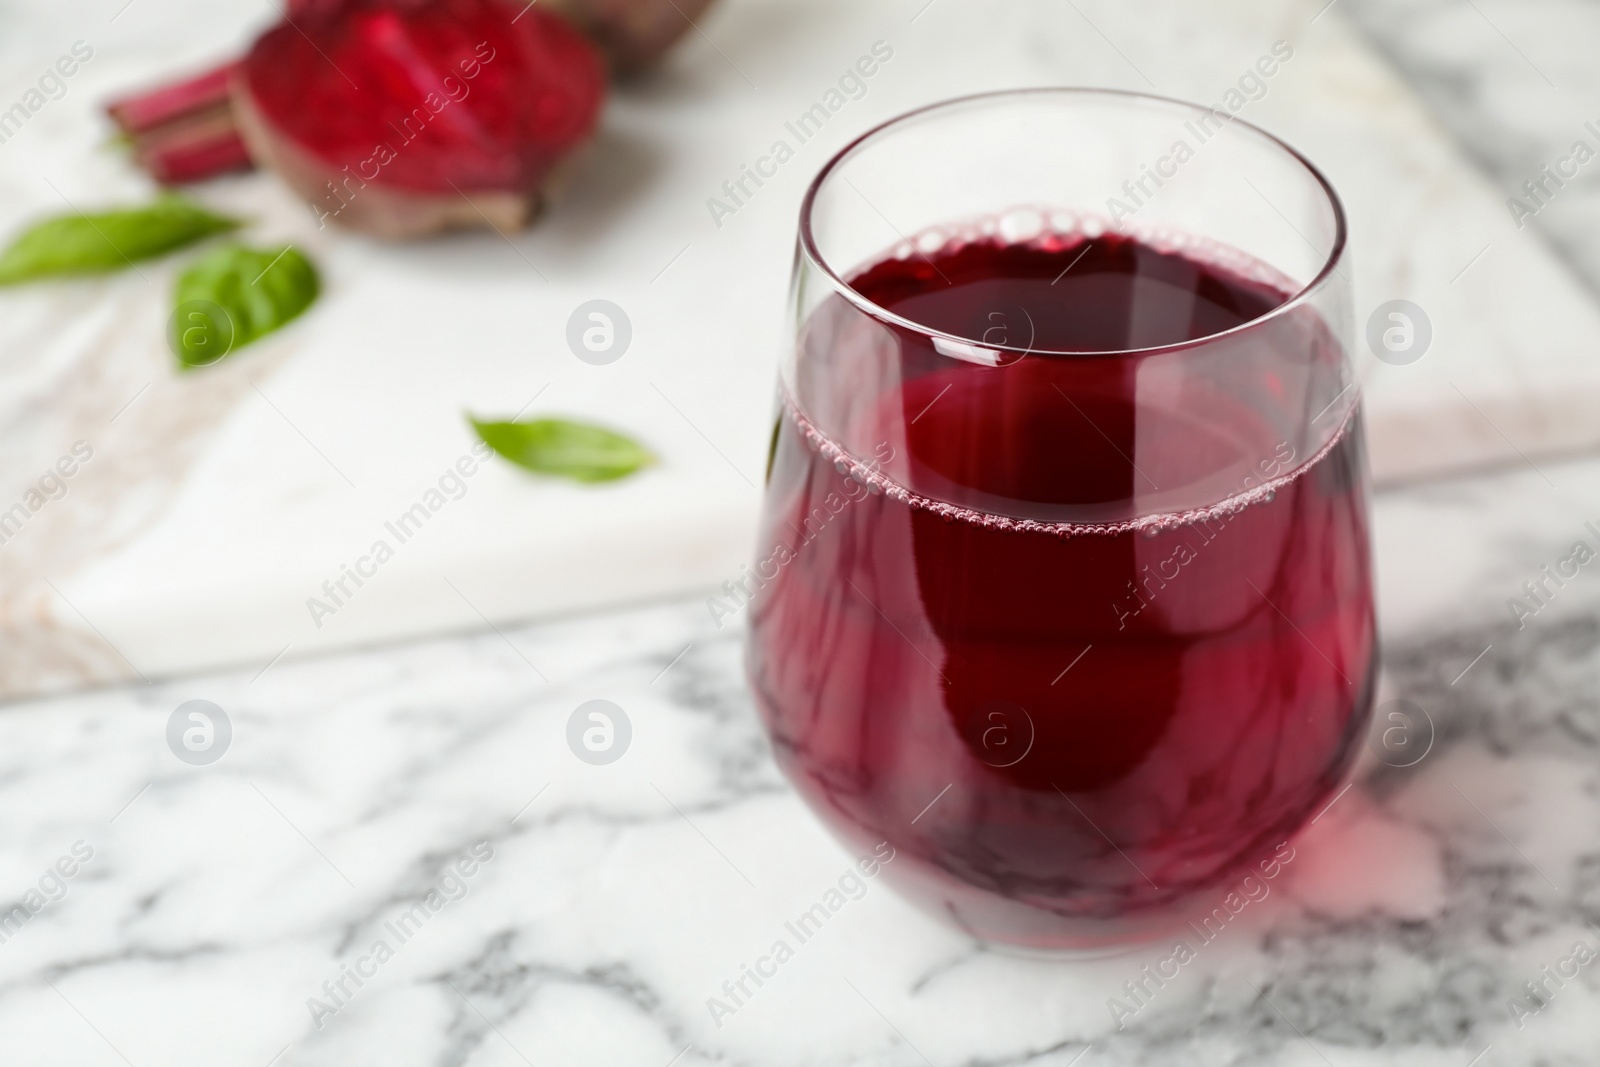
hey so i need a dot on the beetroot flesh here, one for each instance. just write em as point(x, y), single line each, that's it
point(401, 118)
point(631, 33)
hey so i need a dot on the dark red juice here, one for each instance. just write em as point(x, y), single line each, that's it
point(1080, 634)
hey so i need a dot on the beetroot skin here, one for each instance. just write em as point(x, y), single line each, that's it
point(403, 118)
point(632, 33)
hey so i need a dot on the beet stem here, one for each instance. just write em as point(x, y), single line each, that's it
point(147, 110)
point(184, 131)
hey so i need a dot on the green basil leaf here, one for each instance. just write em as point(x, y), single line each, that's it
point(234, 295)
point(575, 450)
point(107, 241)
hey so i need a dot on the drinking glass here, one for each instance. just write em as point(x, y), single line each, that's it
point(1063, 584)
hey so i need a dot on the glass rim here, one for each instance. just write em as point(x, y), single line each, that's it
point(1298, 299)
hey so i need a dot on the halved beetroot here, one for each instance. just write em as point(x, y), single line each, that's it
point(405, 117)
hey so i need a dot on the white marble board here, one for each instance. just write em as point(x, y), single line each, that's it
point(217, 503)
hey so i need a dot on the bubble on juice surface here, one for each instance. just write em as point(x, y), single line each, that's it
point(1021, 224)
point(1149, 525)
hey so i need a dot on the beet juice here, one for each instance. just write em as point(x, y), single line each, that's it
point(1063, 580)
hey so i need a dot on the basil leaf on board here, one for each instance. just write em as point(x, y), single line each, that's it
point(108, 240)
point(576, 450)
point(234, 295)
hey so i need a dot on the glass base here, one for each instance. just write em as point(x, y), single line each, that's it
point(1022, 931)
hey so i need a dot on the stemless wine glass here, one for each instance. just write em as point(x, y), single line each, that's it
point(1064, 583)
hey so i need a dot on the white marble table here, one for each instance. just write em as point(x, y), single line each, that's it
point(212, 911)
point(219, 899)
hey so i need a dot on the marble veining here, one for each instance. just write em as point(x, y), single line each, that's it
point(1516, 84)
point(221, 909)
point(619, 898)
